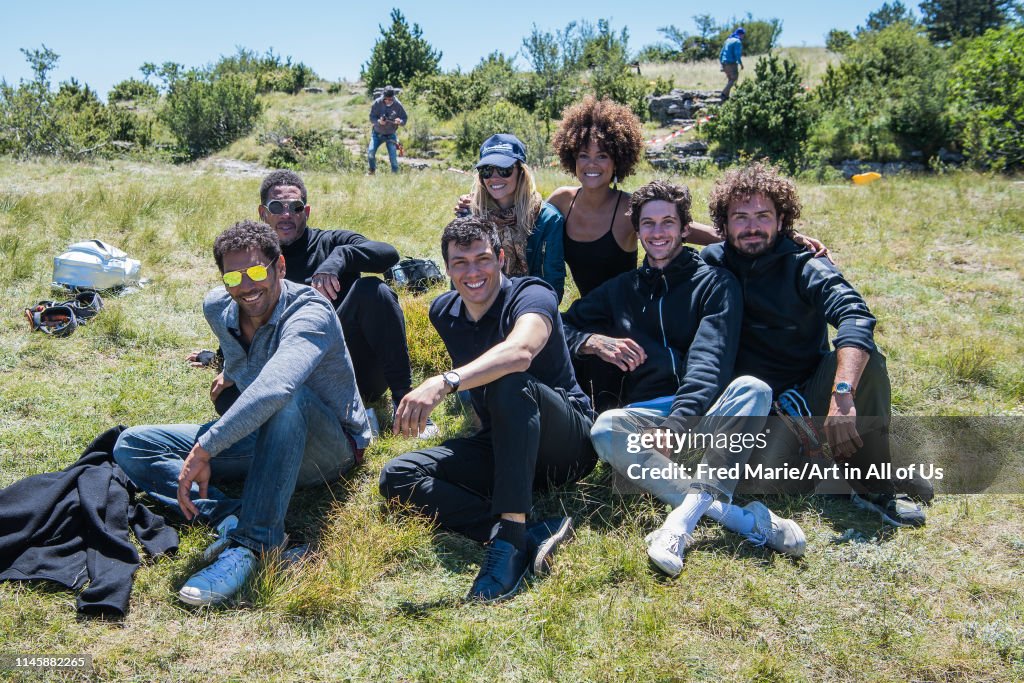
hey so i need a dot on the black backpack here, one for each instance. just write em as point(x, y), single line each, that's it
point(416, 274)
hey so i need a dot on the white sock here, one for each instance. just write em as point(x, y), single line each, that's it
point(685, 517)
point(732, 517)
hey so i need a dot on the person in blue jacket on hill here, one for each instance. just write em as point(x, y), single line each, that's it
point(731, 58)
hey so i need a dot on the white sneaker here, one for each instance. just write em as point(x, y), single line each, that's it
point(221, 580)
point(780, 534)
point(665, 547)
point(215, 548)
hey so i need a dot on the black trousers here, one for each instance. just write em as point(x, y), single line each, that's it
point(537, 439)
point(374, 327)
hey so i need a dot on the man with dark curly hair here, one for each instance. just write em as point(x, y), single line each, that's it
point(297, 422)
point(672, 328)
point(790, 299)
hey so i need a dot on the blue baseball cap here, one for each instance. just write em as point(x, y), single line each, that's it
point(502, 150)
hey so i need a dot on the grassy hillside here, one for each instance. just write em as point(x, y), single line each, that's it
point(939, 259)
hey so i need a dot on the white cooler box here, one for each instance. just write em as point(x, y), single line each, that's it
point(95, 265)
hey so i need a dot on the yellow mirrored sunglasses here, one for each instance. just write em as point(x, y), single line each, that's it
point(233, 278)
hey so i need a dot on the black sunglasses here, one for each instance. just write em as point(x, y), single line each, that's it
point(487, 171)
point(277, 207)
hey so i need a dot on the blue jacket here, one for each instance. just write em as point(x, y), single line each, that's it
point(789, 300)
point(545, 251)
point(732, 51)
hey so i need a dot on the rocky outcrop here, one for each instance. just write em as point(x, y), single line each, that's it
point(681, 105)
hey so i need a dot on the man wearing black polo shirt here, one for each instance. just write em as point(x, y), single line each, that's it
point(507, 347)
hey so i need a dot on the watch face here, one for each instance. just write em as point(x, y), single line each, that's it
point(452, 379)
point(844, 388)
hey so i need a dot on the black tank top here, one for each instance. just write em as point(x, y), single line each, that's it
point(595, 262)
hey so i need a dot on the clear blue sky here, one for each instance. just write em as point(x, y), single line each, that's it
point(105, 41)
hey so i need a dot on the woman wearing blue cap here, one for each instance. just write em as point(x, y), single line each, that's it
point(530, 229)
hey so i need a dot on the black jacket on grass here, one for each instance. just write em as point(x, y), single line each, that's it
point(342, 253)
point(687, 319)
point(789, 300)
point(72, 527)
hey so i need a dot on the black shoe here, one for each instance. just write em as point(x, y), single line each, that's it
point(544, 538)
point(897, 510)
point(502, 573)
point(917, 487)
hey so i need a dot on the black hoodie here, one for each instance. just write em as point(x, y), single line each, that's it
point(687, 319)
point(789, 300)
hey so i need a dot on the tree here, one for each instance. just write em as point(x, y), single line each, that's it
point(838, 40)
point(887, 15)
point(555, 58)
point(986, 94)
point(947, 20)
point(399, 55)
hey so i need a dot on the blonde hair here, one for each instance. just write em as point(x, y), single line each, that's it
point(527, 200)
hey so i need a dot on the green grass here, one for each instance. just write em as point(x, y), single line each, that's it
point(939, 259)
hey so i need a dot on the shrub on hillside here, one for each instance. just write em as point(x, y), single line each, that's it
point(449, 94)
point(270, 72)
point(986, 93)
point(761, 36)
point(884, 101)
point(132, 90)
point(205, 114)
point(766, 117)
point(71, 122)
point(838, 40)
point(502, 117)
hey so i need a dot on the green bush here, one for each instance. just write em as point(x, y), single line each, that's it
point(761, 36)
point(270, 72)
point(132, 90)
point(885, 100)
point(767, 117)
point(205, 114)
point(71, 122)
point(502, 117)
point(986, 93)
point(306, 149)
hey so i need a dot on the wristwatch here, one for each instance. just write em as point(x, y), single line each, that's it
point(843, 388)
point(452, 379)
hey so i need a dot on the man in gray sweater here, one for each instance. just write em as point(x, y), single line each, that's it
point(299, 419)
point(386, 115)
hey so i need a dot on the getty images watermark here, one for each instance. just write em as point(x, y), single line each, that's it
point(952, 454)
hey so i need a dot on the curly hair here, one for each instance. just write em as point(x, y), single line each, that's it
point(659, 190)
point(613, 126)
point(278, 178)
point(757, 178)
point(465, 230)
point(246, 235)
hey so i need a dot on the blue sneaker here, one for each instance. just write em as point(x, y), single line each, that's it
point(502, 573)
point(222, 542)
point(221, 580)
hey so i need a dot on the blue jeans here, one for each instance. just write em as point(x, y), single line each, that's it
point(741, 409)
point(378, 139)
point(301, 444)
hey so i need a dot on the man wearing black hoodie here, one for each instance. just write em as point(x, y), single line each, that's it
point(507, 347)
point(673, 327)
point(790, 297)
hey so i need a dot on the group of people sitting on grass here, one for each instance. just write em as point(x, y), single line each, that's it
point(683, 343)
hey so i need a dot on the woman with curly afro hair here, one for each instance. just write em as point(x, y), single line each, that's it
point(600, 142)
